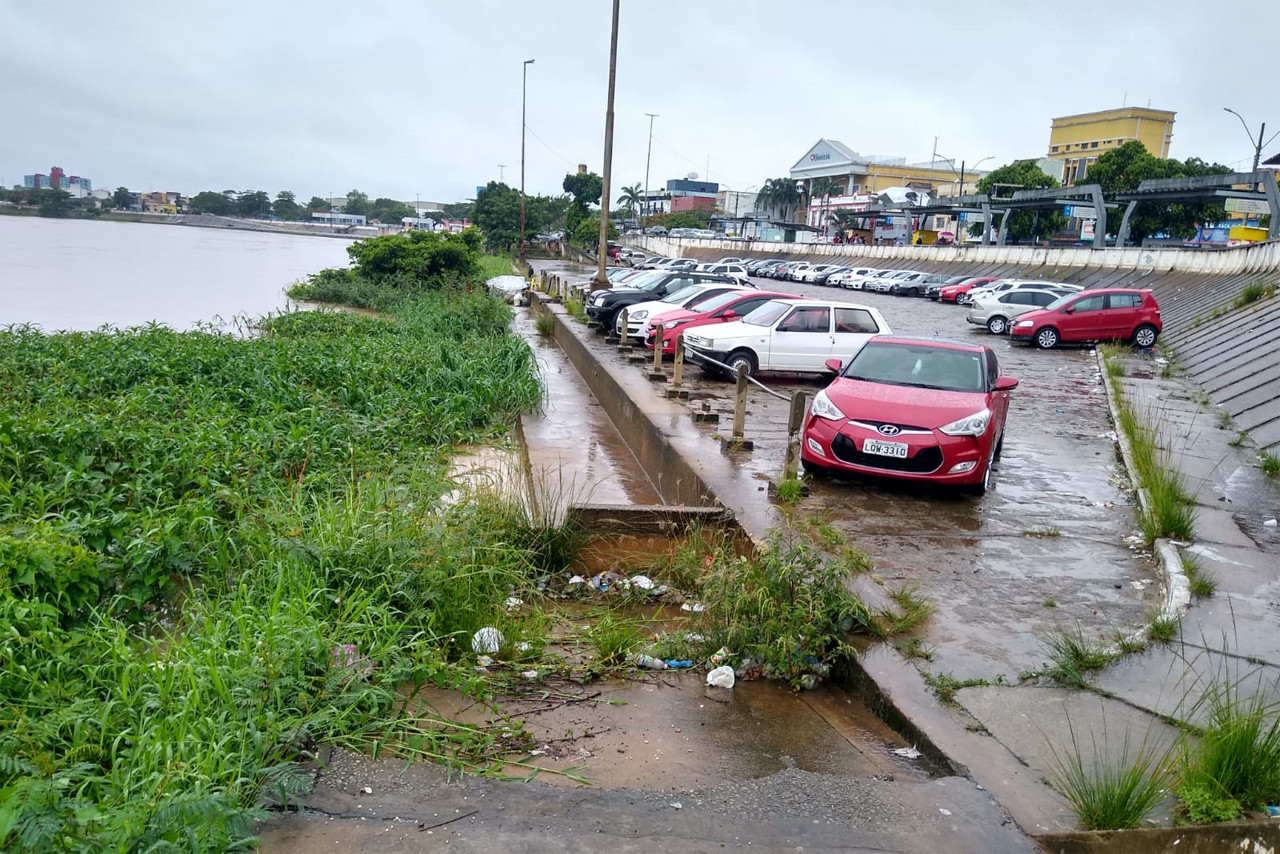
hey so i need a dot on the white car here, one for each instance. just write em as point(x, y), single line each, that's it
point(785, 335)
point(883, 284)
point(997, 311)
point(808, 274)
point(999, 286)
point(867, 282)
point(847, 278)
point(639, 314)
point(794, 269)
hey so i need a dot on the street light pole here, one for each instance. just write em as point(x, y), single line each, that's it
point(602, 247)
point(501, 172)
point(1257, 147)
point(647, 158)
point(524, 90)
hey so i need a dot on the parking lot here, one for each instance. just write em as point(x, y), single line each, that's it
point(1045, 549)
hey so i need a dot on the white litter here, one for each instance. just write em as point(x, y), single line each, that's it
point(675, 805)
point(721, 677)
point(529, 674)
point(696, 607)
point(513, 603)
point(907, 752)
point(1270, 523)
point(643, 582)
point(367, 790)
point(577, 579)
point(486, 641)
point(944, 812)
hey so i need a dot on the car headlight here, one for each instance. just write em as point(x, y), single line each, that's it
point(1023, 324)
point(671, 324)
point(637, 315)
point(824, 408)
point(598, 299)
point(971, 425)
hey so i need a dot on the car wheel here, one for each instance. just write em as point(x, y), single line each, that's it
point(913, 292)
point(1047, 338)
point(981, 487)
point(742, 357)
point(997, 325)
point(1145, 335)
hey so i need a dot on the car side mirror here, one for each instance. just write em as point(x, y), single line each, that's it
point(1006, 384)
point(1071, 309)
point(729, 314)
point(833, 365)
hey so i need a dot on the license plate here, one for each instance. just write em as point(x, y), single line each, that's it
point(884, 449)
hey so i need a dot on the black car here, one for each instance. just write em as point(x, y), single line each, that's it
point(603, 306)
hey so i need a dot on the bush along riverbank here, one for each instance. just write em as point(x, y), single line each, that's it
point(216, 552)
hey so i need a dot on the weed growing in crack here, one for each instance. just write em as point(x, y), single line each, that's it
point(1164, 628)
point(915, 648)
point(1074, 658)
point(945, 686)
point(1043, 531)
point(1170, 511)
point(1269, 463)
point(1201, 581)
point(1110, 790)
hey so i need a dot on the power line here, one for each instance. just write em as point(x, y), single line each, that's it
point(534, 134)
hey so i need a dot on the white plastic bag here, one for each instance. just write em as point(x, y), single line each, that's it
point(721, 677)
point(487, 641)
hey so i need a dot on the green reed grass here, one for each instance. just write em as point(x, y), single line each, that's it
point(1108, 787)
point(1170, 511)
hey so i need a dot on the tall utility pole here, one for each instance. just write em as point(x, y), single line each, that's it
point(524, 90)
point(602, 248)
point(501, 167)
point(647, 157)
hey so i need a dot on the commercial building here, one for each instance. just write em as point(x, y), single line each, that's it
point(162, 202)
point(338, 218)
point(1076, 141)
point(57, 179)
point(688, 194)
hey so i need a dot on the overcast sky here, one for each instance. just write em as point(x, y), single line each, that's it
point(418, 97)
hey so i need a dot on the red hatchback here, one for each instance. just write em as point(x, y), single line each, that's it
point(952, 293)
point(1108, 314)
point(920, 409)
point(731, 305)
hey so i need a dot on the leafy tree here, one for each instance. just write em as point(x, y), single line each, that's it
point(207, 201)
point(587, 231)
point(497, 214)
point(54, 203)
point(254, 203)
point(1122, 169)
point(585, 188)
point(457, 210)
point(357, 203)
point(319, 204)
point(416, 256)
point(286, 206)
point(778, 196)
point(389, 211)
point(631, 197)
point(122, 199)
point(1022, 175)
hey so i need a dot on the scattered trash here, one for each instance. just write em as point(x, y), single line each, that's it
point(643, 582)
point(808, 682)
point(678, 663)
point(541, 751)
point(605, 580)
point(1270, 523)
point(577, 579)
point(720, 655)
point(1274, 812)
point(513, 603)
point(486, 641)
point(648, 662)
point(695, 607)
point(721, 677)
point(523, 646)
point(1139, 585)
point(367, 790)
point(907, 752)
point(529, 674)
point(1059, 411)
point(944, 812)
point(676, 805)
point(484, 661)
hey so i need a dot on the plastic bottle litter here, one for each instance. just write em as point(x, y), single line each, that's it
point(720, 655)
point(678, 663)
point(907, 752)
point(721, 677)
point(648, 662)
point(486, 641)
point(1270, 523)
point(643, 582)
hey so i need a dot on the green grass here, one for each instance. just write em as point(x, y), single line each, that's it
point(546, 323)
point(945, 686)
point(496, 265)
point(576, 308)
point(1074, 658)
point(1170, 511)
point(1164, 628)
point(1201, 581)
point(1109, 790)
point(613, 638)
point(1269, 463)
point(790, 491)
point(1233, 765)
point(217, 552)
point(1043, 531)
point(1239, 439)
point(915, 648)
point(1253, 292)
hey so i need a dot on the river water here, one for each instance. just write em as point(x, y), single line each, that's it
point(82, 274)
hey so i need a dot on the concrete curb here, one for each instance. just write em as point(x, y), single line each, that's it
point(1177, 587)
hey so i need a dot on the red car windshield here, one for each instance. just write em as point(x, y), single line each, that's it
point(918, 366)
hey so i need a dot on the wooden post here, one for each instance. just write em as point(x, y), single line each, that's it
point(739, 441)
point(622, 336)
point(655, 372)
point(791, 462)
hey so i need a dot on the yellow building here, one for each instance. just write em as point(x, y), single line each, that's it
point(1078, 140)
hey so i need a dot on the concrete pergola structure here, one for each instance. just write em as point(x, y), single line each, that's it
point(1202, 189)
point(1055, 197)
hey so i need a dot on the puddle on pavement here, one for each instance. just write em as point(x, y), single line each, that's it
point(670, 731)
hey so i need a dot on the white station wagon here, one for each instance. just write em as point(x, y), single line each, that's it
point(785, 335)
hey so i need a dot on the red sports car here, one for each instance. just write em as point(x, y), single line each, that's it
point(920, 409)
point(732, 305)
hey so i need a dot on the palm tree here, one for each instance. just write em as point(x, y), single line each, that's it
point(631, 196)
point(778, 194)
point(823, 188)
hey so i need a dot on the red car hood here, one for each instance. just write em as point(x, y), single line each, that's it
point(918, 407)
point(675, 314)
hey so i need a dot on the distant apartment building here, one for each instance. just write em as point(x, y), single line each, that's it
point(161, 202)
point(338, 218)
point(1077, 141)
point(57, 179)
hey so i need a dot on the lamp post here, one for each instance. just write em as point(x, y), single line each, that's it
point(647, 158)
point(602, 246)
point(1257, 147)
point(524, 90)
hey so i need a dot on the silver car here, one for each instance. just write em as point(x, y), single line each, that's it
point(997, 311)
